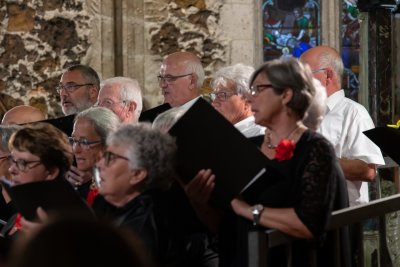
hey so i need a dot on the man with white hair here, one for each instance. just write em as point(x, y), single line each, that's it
point(122, 96)
point(230, 84)
point(181, 78)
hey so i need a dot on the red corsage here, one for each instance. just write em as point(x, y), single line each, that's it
point(91, 196)
point(285, 150)
point(17, 223)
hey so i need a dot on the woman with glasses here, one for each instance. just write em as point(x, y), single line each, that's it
point(297, 192)
point(136, 168)
point(88, 138)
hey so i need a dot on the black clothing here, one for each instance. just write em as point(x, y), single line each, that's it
point(306, 182)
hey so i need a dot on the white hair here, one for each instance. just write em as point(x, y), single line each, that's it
point(317, 108)
point(239, 74)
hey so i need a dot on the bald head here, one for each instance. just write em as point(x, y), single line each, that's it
point(21, 115)
point(327, 66)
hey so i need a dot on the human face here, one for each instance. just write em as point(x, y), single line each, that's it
point(180, 91)
point(110, 97)
point(266, 104)
point(78, 99)
point(86, 157)
point(235, 107)
point(4, 164)
point(34, 171)
point(115, 174)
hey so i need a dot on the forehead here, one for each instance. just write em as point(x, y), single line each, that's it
point(109, 91)
point(84, 128)
point(222, 84)
point(22, 154)
point(172, 66)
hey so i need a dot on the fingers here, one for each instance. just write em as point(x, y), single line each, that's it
point(199, 189)
point(42, 215)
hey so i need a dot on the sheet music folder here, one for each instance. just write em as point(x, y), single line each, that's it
point(151, 114)
point(206, 140)
point(53, 196)
point(387, 139)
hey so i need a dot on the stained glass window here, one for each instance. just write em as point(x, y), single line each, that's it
point(350, 33)
point(290, 27)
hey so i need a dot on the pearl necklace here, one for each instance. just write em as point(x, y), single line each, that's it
point(268, 137)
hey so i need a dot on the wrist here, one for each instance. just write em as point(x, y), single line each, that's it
point(256, 211)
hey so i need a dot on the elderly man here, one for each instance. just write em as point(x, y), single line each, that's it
point(22, 114)
point(78, 89)
point(344, 123)
point(181, 78)
point(230, 84)
point(123, 97)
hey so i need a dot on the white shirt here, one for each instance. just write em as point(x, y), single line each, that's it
point(343, 126)
point(189, 104)
point(249, 128)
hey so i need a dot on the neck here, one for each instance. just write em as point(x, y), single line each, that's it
point(274, 136)
point(120, 201)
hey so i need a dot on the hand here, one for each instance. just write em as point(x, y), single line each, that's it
point(29, 226)
point(241, 208)
point(77, 177)
point(199, 189)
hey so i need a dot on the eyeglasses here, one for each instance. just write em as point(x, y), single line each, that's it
point(222, 96)
point(110, 156)
point(108, 103)
point(256, 89)
point(83, 142)
point(4, 157)
point(22, 164)
point(171, 78)
point(70, 87)
point(318, 70)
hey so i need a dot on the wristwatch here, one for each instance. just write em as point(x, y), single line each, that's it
point(256, 210)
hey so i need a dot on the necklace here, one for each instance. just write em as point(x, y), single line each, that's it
point(268, 137)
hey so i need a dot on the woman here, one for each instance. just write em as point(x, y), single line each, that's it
point(88, 138)
point(134, 171)
point(297, 192)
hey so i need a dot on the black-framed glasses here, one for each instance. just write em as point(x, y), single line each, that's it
point(110, 156)
point(71, 87)
point(171, 78)
point(222, 96)
point(83, 142)
point(256, 89)
point(23, 165)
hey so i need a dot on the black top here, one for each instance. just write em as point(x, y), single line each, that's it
point(306, 182)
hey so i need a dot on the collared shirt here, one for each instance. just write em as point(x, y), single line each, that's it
point(189, 104)
point(343, 126)
point(249, 128)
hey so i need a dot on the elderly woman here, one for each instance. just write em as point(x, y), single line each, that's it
point(138, 161)
point(230, 85)
point(88, 139)
point(297, 192)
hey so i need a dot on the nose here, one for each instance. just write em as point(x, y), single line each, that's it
point(76, 148)
point(162, 83)
point(63, 92)
point(13, 170)
point(100, 163)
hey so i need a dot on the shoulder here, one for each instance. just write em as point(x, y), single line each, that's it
point(314, 140)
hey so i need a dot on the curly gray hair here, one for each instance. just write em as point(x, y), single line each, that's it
point(148, 149)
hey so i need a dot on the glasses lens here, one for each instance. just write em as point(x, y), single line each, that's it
point(107, 158)
point(21, 164)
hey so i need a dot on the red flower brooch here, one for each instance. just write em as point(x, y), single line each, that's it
point(285, 150)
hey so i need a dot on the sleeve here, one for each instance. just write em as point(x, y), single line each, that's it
point(317, 187)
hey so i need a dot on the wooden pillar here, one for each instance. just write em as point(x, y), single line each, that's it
point(118, 38)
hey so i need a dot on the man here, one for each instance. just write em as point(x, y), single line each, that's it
point(123, 97)
point(22, 114)
point(181, 78)
point(78, 89)
point(230, 85)
point(344, 123)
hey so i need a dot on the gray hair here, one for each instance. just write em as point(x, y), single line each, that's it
point(317, 109)
point(5, 133)
point(196, 67)
point(239, 74)
point(130, 90)
point(148, 149)
point(103, 120)
point(88, 73)
point(167, 119)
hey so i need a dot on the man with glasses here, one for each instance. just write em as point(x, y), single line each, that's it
point(344, 123)
point(78, 89)
point(230, 84)
point(181, 78)
point(123, 97)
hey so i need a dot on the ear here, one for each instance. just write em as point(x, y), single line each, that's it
point(132, 106)
point(52, 173)
point(137, 176)
point(193, 81)
point(287, 95)
point(93, 93)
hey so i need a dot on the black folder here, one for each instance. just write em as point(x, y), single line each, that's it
point(56, 196)
point(206, 140)
point(151, 114)
point(65, 124)
point(387, 139)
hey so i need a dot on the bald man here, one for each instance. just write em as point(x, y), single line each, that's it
point(344, 123)
point(181, 78)
point(22, 114)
